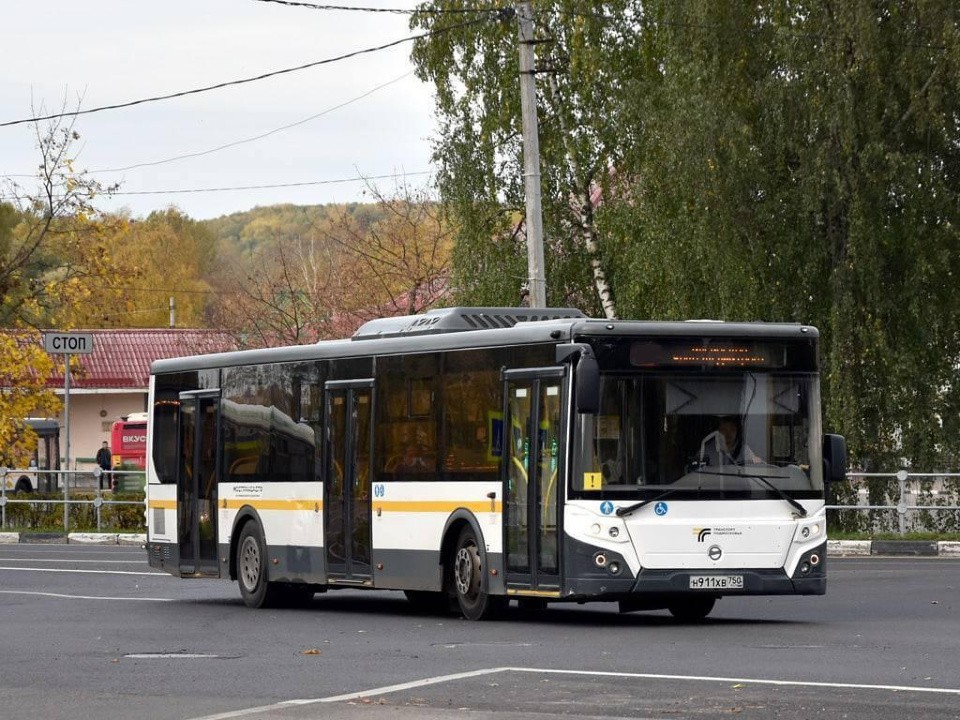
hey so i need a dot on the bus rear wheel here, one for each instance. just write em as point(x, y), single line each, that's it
point(23, 485)
point(469, 580)
point(256, 590)
point(692, 609)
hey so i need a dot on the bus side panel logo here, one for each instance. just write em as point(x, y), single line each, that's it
point(661, 508)
point(702, 533)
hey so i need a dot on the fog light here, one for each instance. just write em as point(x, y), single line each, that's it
point(804, 568)
point(614, 532)
point(814, 559)
point(614, 568)
point(600, 559)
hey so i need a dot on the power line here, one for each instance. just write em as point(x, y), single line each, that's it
point(250, 139)
point(268, 187)
point(243, 81)
point(395, 11)
point(361, 178)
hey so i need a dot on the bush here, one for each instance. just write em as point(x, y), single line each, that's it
point(43, 513)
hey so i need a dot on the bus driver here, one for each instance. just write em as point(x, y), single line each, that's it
point(725, 445)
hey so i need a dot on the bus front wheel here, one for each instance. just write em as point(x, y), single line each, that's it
point(255, 589)
point(692, 609)
point(23, 485)
point(469, 579)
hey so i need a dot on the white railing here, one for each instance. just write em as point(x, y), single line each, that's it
point(913, 494)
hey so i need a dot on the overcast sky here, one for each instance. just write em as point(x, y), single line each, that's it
point(113, 51)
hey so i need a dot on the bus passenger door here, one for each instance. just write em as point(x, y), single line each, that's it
point(197, 484)
point(532, 422)
point(346, 502)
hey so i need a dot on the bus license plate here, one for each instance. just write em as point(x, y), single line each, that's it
point(716, 582)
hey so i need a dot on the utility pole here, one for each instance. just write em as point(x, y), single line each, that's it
point(531, 158)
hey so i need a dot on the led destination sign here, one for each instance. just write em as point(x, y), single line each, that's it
point(723, 354)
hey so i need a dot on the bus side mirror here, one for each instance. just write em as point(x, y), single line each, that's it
point(834, 458)
point(588, 385)
point(586, 376)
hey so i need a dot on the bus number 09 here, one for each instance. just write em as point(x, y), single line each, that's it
point(378, 490)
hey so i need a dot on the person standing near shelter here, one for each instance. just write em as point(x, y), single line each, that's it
point(105, 463)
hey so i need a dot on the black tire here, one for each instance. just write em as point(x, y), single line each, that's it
point(252, 573)
point(469, 576)
point(430, 603)
point(692, 609)
point(23, 485)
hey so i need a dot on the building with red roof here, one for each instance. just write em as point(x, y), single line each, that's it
point(112, 382)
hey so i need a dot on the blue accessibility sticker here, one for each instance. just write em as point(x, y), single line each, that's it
point(661, 508)
point(606, 507)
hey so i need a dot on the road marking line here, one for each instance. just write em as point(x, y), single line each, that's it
point(90, 572)
point(353, 696)
point(755, 681)
point(580, 673)
point(83, 597)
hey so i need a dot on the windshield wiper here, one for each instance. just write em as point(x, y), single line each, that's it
point(800, 508)
point(621, 511)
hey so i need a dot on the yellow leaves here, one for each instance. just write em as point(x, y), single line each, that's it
point(24, 368)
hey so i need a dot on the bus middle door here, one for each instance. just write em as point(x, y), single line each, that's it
point(197, 483)
point(532, 423)
point(346, 502)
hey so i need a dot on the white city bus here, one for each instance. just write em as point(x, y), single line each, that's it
point(470, 456)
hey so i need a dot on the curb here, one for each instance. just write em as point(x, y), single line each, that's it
point(899, 548)
point(12, 538)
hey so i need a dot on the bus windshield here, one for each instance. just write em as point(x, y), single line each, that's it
point(730, 435)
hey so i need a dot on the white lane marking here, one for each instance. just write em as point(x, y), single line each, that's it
point(581, 673)
point(353, 696)
point(755, 681)
point(90, 572)
point(170, 656)
point(83, 597)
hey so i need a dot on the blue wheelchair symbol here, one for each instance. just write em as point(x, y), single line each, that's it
point(660, 508)
point(606, 507)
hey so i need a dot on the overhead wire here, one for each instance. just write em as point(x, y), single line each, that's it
point(395, 11)
point(242, 81)
point(201, 153)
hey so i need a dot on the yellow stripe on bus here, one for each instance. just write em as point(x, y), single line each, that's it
point(236, 504)
point(409, 506)
point(482, 506)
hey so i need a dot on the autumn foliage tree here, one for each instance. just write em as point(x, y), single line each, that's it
point(52, 253)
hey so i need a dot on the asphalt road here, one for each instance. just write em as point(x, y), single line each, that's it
point(92, 631)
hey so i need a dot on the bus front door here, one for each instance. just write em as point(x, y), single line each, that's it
point(532, 424)
point(346, 502)
point(197, 484)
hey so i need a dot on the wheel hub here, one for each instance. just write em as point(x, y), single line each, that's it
point(250, 564)
point(466, 571)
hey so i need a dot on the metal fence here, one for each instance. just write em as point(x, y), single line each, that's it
point(901, 501)
point(69, 488)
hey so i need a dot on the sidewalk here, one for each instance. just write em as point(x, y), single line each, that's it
point(835, 548)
